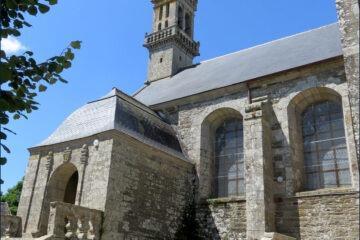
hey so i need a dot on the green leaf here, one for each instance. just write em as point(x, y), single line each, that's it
point(32, 10)
point(5, 148)
point(27, 24)
point(42, 88)
point(52, 67)
point(67, 64)
point(52, 2)
point(75, 44)
point(10, 4)
point(29, 53)
point(69, 55)
point(5, 72)
point(18, 23)
point(59, 68)
point(16, 116)
point(3, 136)
point(3, 161)
point(63, 80)
point(4, 120)
point(8, 130)
point(52, 80)
point(43, 8)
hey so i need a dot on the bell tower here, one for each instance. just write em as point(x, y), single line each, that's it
point(171, 44)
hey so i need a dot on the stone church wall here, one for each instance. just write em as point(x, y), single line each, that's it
point(319, 216)
point(279, 90)
point(225, 219)
point(150, 193)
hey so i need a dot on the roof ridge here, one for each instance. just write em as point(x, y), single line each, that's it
point(270, 42)
point(142, 88)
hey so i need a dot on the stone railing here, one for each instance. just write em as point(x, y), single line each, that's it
point(10, 226)
point(69, 221)
point(172, 32)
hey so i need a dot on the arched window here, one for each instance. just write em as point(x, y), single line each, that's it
point(325, 153)
point(180, 17)
point(167, 10)
point(166, 24)
point(161, 12)
point(229, 159)
point(188, 24)
point(159, 26)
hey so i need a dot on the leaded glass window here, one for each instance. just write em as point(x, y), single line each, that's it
point(229, 159)
point(325, 153)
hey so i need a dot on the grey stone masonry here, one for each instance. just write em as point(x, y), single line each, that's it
point(266, 150)
point(149, 193)
point(222, 219)
point(348, 15)
point(171, 44)
point(259, 173)
point(320, 215)
point(10, 226)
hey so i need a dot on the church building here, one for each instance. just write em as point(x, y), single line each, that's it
point(258, 144)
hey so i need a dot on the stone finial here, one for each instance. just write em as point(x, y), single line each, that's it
point(67, 155)
point(68, 234)
point(8, 231)
point(4, 210)
point(49, 160)
point(84, 154)
point(91, 232)
point(80, 230)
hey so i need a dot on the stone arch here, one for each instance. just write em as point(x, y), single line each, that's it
point(206, 166)
point(61, 187)
point(296, 107)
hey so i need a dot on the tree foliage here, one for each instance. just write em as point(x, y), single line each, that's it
point(12, 197)
point(21, 76)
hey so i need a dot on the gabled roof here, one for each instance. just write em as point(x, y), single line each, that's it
point(273, 57)
point(117, 111)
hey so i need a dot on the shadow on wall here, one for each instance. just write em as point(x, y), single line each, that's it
point(287, 217)
point(206, 227)
point(287, 220)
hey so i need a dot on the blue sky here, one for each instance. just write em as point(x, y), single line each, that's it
point(112, 55)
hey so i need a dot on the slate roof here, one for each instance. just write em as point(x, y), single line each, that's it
point(117, 111)
point(276, 56)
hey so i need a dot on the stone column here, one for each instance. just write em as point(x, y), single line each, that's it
point(83, 160)
point(42, 227)
point(259, 174)
point(348, 15)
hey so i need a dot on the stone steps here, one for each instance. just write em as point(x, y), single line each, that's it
point(276, 236)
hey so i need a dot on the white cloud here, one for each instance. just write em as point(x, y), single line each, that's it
point(11, 45)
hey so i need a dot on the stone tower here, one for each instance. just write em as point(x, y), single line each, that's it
point(171, 45)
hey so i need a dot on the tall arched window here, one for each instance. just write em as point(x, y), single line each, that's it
point(188, 24)
point(180, 17)
point(161, 12)
point(159, 26)
point(167, 10)
point(325, 152)
point(229, 159)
